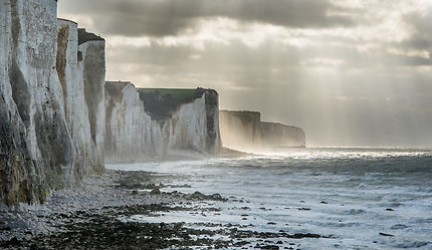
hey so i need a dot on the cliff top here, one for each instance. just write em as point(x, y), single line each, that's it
point(176, 93)
point(115, 88)
point(241, 112)
point(160, 103)
point(281, 125)
point(248, 114)
point(66, 20)
point(84, 36)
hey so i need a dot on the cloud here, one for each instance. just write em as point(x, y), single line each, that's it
point(236, 64)
point(347, 71)
point(420, 25)
point(416, 48)
point(169, 18)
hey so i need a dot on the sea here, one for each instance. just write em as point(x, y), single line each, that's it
point(351, 198)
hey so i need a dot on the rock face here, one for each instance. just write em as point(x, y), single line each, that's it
point(128, 127)
point(282, 136)
point(134, 132)
point(28, 63)
point(244, 131)
point(18, 178)
point(91, 70)
point(52, 108)
point(37, 106)
point(241, 130)
point(81, 70)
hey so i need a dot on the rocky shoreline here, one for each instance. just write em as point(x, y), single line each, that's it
point(100, 215)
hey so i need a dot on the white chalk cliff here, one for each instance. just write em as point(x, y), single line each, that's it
point(241, 130)
point(132, 134)
point(282, 136)
point(244, 131)
point(81, 70)
point(52, 108)
point(59, 119)
point(39, 142)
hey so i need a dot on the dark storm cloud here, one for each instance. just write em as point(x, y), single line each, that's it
point(170, 17)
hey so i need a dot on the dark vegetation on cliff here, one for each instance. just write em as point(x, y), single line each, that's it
point(84, 36)
point(162, 103)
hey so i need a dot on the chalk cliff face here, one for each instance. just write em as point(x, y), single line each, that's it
point(133, 134)
point(52, 108)
point(18, 173)
point(244, 131)
point(91, 69)
point(282, 136)
point(128, 127)
point(29, 40)
point(195, 125)
point(241, 130)
point(81, 72)
point(37, 106)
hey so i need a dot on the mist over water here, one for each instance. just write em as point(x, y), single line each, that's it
point(348, 109)
point(353, 198)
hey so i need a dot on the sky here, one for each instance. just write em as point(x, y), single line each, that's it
point(349, 72)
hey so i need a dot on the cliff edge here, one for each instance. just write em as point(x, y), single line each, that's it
point(244, 131)
point(145, 124)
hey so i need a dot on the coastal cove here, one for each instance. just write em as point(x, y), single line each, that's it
point(61, 121)
point(88, 162)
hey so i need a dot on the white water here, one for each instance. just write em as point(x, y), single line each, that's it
point(350, 195)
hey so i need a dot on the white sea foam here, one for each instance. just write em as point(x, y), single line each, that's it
point(374, 199)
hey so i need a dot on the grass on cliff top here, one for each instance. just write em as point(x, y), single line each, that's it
point(162, 103)
point(84, 36)
point(176, 93)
